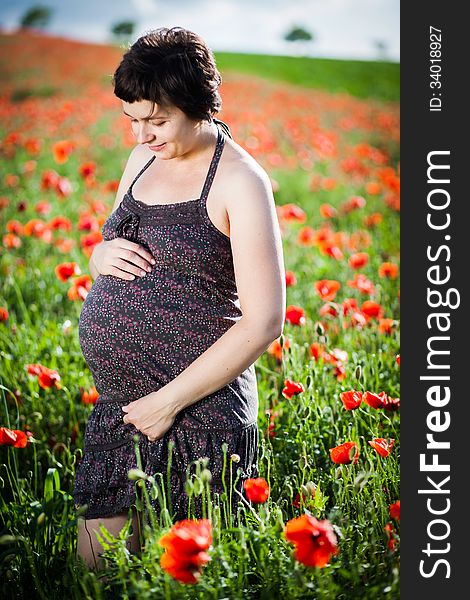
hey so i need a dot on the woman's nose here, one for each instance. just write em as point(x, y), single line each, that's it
point(143, 133)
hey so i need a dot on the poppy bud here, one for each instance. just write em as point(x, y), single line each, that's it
point(206, 475)
point(198, 486)
point(358, 372)
point(135, 474)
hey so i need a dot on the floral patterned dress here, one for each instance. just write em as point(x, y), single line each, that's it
point(136, 336)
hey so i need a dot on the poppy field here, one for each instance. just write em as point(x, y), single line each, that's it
point(323, 519)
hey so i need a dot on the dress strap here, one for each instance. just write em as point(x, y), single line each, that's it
point(213, 166)
point(140, 173)
point(224, 126)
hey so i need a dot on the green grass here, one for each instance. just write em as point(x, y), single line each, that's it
point(364, 79)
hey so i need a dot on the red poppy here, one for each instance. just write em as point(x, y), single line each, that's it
point(386, 325)
point(329, 183)
point(382, 446)
point(327, 211)
point(87, 170)
point(11, 180)
point(290, 278)
point(336, 356)
point(89, 241)
point(373, 219)
point(371, 309)
point(392, 404)
point(13, 437)
point(327, 288)
point(275, 348)
point(306, 236)
point(391, 536)
point(3, 313)
point(357, 320)
point(316, 350)
point(397, 359)
point(14, 226)
point(393, 201)
point(349, 305)
point(34, 369)
point(65, 270)
point(271, 428)
point(339, 372)
point(373, 188)
point(358, 260)
point(64, 187)
point(49, 378)
point(388, 269)
point(331, 308)
point(295, 315)
point(49, 179)
point(352, 204)
point(291, 388)
point(345, 453)
point(331, 250)
point(112, 186)
point(33, 146)
point(42, 207)
point(10, 240)
point(62, 150)
point(257, 490)
point(375, 400)
point(61, 223)
point(90, 397)
point(395, 510)
point(315, 541)
point(185, 545)
point(292, 212)
point(360, 282)
point(81, 285)
point(351, 400)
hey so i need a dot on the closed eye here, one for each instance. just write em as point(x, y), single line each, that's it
point(157, 124)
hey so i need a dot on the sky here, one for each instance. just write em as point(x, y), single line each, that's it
point(341, 28)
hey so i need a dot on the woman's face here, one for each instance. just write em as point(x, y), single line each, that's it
point(168, 132)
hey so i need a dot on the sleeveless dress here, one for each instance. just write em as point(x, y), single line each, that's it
point(136, 336)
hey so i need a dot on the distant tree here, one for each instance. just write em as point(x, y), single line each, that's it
point(381, 48)
point(299, 35)
point(123, 30)
point(36, 17)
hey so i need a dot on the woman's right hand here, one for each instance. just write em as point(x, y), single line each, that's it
point(121, 258)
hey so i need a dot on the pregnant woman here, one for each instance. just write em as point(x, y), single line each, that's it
point(189, 290)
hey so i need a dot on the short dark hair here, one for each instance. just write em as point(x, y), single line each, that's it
point(170, 66)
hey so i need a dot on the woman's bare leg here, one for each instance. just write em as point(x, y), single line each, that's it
point(88, 546)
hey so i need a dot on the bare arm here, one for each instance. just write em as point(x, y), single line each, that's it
point(260, 277)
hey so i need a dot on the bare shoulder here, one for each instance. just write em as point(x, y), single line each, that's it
point(245, 181)
point(138, 157)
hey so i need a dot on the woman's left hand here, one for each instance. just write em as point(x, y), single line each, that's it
point(153, 414)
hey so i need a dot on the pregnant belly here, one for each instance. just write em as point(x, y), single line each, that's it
point(148, 329)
